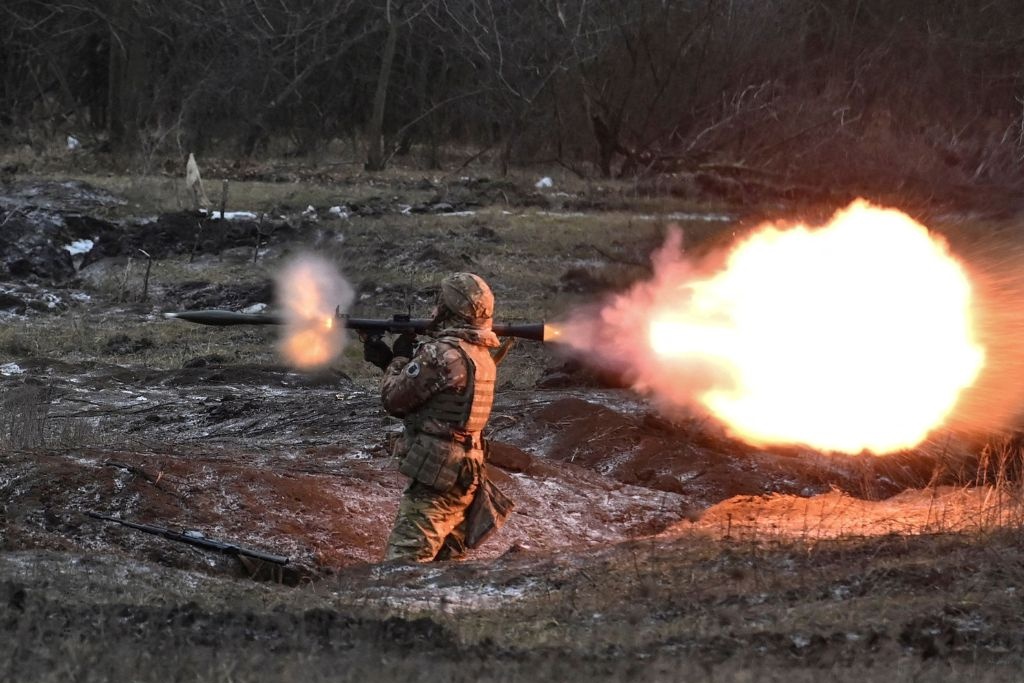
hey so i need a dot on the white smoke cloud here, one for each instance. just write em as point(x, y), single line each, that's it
point(310, 292)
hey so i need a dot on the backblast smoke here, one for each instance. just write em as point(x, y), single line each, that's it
point(310, 292)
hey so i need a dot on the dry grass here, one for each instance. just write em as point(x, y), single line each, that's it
point(936, 608)
point(23, 413)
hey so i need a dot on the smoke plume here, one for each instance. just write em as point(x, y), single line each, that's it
point(310, 291)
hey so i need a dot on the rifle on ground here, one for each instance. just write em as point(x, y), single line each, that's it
point(195, 538)
point(397, 324)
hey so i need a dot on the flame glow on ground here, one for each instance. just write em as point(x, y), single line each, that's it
point(855, 336)
point(310, 291)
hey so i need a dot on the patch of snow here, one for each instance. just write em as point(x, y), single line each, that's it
point(841, 592)
point(971, 623)
point(710, 217)
point(404, 209)
point(459, 213)
point(544, 182)
point(268, 390)
point(8, 369)
point(73, 143)
point(255, 308)
point(79, 247)
point(563, 214)
point(234, 215)
point(360, 455)
point(81, 297)
point(456, 598)
point(586, 263)
point(683, 216)
point(310, 211)
point(339, 212)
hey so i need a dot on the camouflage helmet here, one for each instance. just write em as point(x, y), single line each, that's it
point(467, 297)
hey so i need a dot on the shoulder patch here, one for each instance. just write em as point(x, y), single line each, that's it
point(412, 369)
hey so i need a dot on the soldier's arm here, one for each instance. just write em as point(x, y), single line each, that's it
point(408, 384)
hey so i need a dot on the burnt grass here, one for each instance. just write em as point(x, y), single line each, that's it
point(604, 572)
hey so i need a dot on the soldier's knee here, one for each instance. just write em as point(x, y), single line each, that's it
point(412, 540)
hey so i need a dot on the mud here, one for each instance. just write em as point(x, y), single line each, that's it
point(641, 545)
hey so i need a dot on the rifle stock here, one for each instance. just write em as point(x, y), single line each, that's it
point(397, 324)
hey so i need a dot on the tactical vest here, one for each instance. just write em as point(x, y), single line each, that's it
point(435, 456)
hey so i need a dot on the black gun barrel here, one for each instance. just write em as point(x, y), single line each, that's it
point(397, 325)
point(195, 538)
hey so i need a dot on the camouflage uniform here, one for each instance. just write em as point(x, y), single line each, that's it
point(444, 395)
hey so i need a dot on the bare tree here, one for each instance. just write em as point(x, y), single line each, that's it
point(397, 14)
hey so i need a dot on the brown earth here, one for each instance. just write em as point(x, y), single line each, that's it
point(643, 545)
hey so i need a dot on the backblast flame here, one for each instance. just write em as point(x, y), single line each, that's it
point(310, 290)
point(857, 336)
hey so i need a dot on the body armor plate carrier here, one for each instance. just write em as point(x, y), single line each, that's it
point(439, 459)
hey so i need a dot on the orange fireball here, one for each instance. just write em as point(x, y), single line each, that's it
point(855, 336)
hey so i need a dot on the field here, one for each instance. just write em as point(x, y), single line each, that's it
point(644, 546)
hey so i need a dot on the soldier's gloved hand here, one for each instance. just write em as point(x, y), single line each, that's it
point(405, 345)
point(376, 351)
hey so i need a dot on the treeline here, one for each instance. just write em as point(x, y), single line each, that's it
point(839, 91)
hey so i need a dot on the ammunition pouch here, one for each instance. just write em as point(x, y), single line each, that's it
point(440, 462)
point(487, 513)
point(431, 460)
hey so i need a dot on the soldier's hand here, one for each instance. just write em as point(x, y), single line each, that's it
point(405, 345)
point(376, 351)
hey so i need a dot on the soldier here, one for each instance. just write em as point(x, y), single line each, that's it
point(443, 390)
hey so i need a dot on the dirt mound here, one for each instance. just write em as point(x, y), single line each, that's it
point(182, 233)
point(23, 297)
point(838, 515)
point(693, 456)
point(31, 246)
point(53, 246)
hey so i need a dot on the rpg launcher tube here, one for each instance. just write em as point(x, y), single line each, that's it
point(398, 324)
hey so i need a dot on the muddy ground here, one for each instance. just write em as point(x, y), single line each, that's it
point(643, 545)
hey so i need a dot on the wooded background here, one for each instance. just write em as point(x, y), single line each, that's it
point(845, 92)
